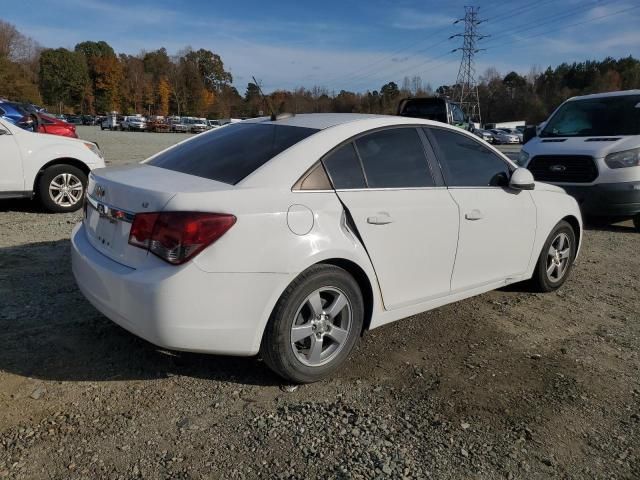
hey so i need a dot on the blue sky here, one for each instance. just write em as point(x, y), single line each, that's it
point(341, 44)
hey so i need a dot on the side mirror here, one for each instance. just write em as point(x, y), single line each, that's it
point(522, 179)
point(529, 133)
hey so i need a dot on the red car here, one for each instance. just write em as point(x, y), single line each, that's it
point(52, 125)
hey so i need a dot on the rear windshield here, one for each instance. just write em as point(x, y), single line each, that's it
point(619, 115)
point(231, 153)
point(429, 108)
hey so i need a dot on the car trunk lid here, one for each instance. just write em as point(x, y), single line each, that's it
point(116, 194)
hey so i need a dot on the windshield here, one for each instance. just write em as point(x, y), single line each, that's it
point(428, 108)
point(596, 117)
point(230, 154)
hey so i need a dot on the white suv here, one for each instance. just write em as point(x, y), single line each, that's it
point(50, 167)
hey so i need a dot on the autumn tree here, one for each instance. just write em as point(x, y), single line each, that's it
point(105, 73)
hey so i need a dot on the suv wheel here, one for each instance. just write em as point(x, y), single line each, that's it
point(61, 188)
point(315, 325)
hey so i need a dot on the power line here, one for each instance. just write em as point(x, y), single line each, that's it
point(362, 73)
point(366, 69)
point(573, 25)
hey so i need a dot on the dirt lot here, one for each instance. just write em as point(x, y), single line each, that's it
point(510, 384)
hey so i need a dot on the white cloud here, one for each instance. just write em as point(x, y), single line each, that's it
point(410, 19)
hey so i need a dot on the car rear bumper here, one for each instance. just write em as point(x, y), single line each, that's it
point(607, 199)
point(178, 308)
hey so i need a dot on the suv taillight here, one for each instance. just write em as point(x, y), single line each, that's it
point(178, 236)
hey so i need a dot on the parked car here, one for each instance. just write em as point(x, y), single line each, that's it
point(590, 146)
point(51, 168)
point(54, 126)
point(14, 112)
point(135, 123)
point(513, 131)
point(213, 124)
point(438, 109)
point(110, 122)
point(159, 124)
point(74, 119)
point(500, 137)
point(484, 134)
point(195, 125)
point(177, 125)
point(291, 237)
point(89, 120)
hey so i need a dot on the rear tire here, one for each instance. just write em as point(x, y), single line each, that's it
point(61, 188)
point(314, 326)
point(556, 258)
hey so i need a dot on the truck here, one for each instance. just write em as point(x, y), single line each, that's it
point(439, 109)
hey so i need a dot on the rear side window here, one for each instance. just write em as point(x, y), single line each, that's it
point(233, 152)
point(344, 168)
point(394, 158)
point(467, 163)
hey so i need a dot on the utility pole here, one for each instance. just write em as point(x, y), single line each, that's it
point(466, 88)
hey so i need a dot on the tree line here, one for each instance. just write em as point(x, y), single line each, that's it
point(92, 78)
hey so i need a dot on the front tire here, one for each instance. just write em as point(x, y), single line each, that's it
point(314, 326)
point(556, 259)
point(61, 188)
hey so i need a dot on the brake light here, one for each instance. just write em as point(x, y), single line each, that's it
point(178, 236)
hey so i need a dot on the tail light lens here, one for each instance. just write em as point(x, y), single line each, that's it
point(178, 236)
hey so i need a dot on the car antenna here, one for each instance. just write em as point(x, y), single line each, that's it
point(274, 117)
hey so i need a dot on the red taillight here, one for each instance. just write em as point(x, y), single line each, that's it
point(178, 236)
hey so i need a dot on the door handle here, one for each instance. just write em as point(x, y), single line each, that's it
point(380, 219)
point(474, 214)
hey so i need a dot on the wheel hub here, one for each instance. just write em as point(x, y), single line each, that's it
point(321, 324)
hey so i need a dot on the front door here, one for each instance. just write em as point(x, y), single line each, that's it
point(11, 176)
point(497, 224)
point(409, 225)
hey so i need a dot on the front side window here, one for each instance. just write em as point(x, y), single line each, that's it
point(344, 168)
point(231, 153)
point(617, 115)
point(457, 114)
point(394, 158)
point(467, 163)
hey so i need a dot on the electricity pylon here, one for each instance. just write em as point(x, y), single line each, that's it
point(466, 88)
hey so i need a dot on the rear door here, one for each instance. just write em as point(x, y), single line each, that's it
point(11, 173)
point(406, 218)
point(497, 224)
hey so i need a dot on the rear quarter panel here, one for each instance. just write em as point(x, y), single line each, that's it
point(262, 240)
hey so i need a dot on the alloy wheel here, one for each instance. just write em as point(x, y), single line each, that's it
point(558, 257)
point(321, 326)
point(66, 190)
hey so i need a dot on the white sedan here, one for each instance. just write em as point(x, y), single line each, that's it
point(500, 137)
point(292, 236)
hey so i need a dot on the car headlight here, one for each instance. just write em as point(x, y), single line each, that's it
point(624, 159)
point(94, 148)
point(523, 158)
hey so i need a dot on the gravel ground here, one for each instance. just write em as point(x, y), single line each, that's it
point(510, 384)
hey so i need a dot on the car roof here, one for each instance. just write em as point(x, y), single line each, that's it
point(319, 121)
point(620, 93)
